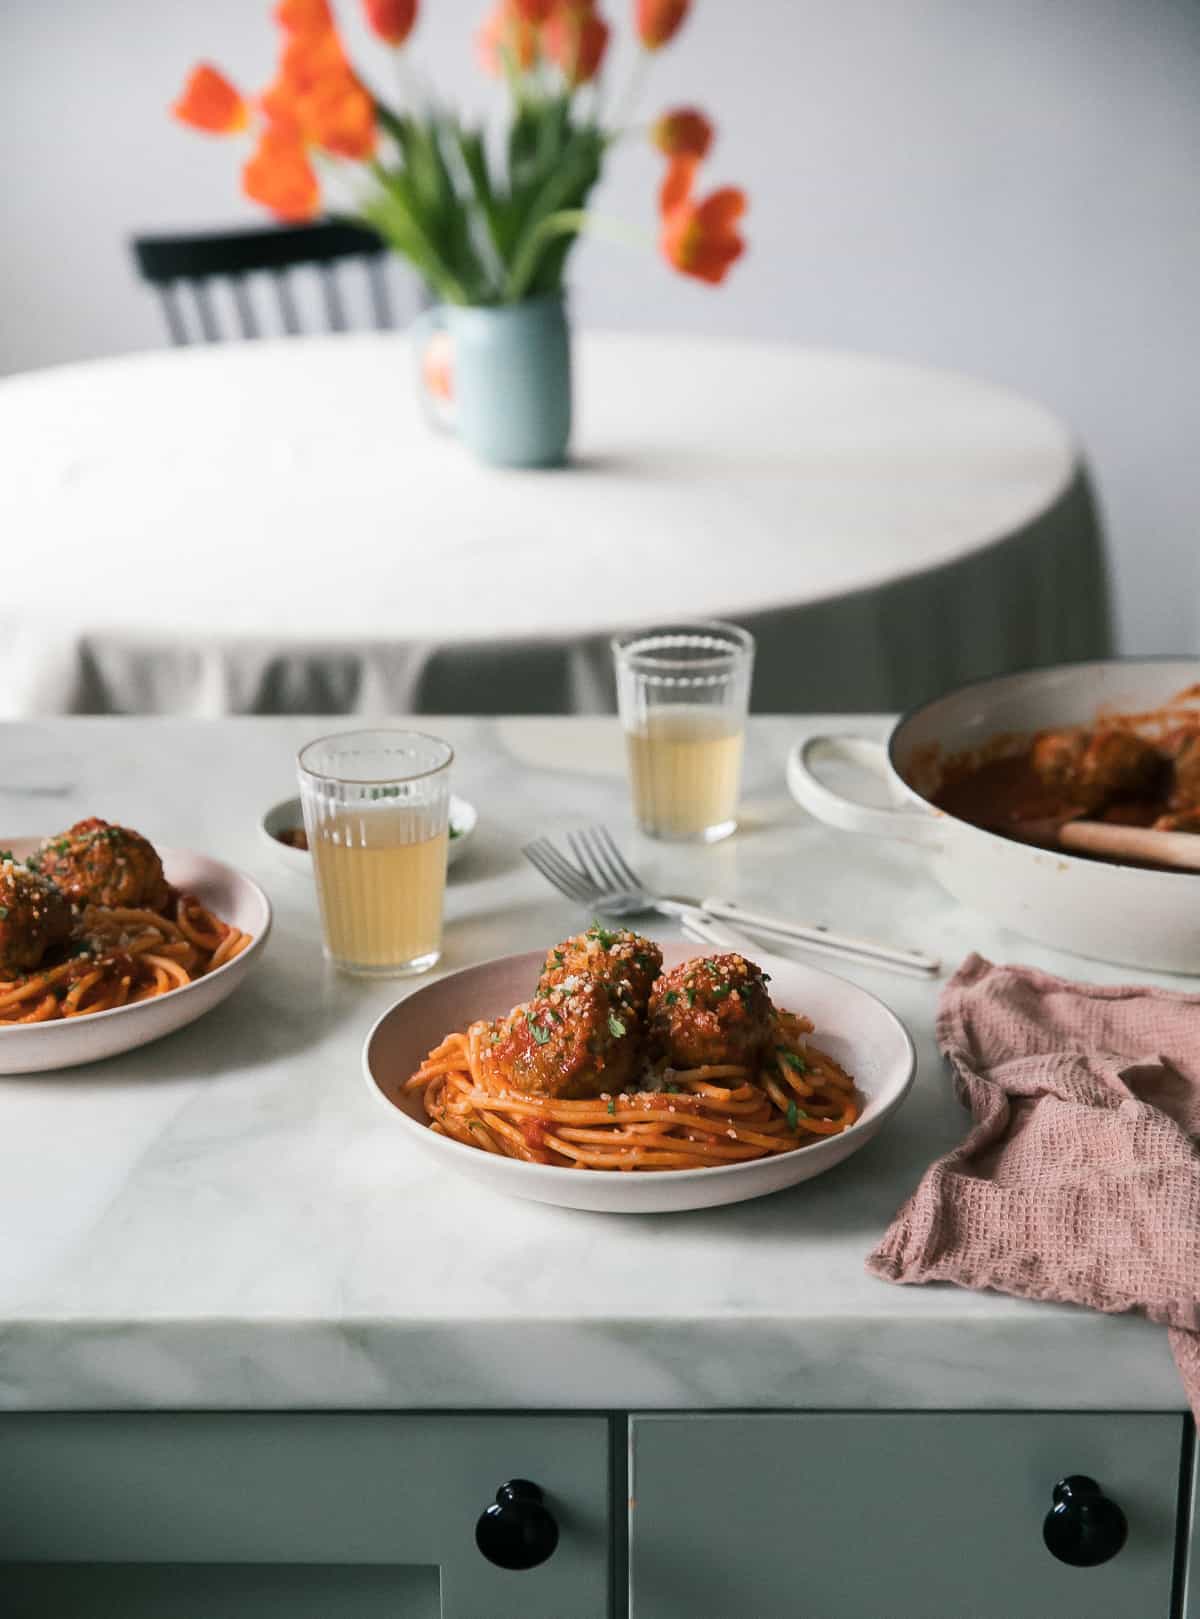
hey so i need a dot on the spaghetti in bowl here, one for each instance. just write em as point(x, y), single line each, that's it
point(854, 1030)
point(228, 917)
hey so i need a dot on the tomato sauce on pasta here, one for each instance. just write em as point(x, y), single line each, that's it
point(67, 950)
point(788, 1094)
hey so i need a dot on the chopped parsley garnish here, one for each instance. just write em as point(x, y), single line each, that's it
point(612, 1105)
point(792, 1115)
point(719, 991)
point(602, 936)
point(795, 1063)
point(691, 995)
point(670, 998)
point(6, 854)
point(615, 1027)
point(672, 1090)
point(3, 913)
point(746, 991)
point(559, 958)
point(539, 1034)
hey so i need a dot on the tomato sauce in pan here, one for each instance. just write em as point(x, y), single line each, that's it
point(1138, 770)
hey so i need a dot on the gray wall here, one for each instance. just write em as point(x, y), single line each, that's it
point(1008, 187)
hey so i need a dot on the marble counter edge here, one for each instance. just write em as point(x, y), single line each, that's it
point(546, 1364)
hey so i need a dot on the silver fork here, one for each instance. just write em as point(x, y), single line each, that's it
point(599, 877)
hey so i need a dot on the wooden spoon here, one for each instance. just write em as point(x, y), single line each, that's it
point(1145, 843)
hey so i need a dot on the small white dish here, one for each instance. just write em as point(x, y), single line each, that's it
point(36, 1048)
point(285, 815)
point(858, 1030)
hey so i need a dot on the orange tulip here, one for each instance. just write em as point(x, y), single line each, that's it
point(658, 21)
point(683, 133)
point(392, 20)
point(341, 119)
point(308, 61)
point(304, 16)
point(316, 100)
point(577, 38)
point(677, 187)
point(506, 32)
point(279, 176)
point(211, 103)
point(701, 239)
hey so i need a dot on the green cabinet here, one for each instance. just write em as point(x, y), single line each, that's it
point(913, 1516)
point(254, 1515)
point(823, 1515)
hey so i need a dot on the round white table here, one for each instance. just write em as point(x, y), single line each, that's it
point(272, 526)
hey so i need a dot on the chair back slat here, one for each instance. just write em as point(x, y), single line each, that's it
point(245, 309)
point(287, 303)
point(171, 262)
point(174, 315)
point(334, 311)
point(204, 309)
point(381, 302)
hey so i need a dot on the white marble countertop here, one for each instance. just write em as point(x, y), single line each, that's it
point(224, 1219)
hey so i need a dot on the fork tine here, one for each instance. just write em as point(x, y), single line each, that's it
point(583, 854)
point(555, 870)
point(536, 858)
point(591, 836)
point(557, 882)
point(582, 880)
point(546, 859)
point(623, 868)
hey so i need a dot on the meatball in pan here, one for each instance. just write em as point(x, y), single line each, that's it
point(1094, 767)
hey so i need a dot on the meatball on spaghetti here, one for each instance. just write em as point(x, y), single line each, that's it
point(620, 958)
point(711, 1012)
point(94, 863)
point(574, 1039)
point(33, 917)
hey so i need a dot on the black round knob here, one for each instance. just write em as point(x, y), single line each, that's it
point(517, 1530)
point(1083, 1527)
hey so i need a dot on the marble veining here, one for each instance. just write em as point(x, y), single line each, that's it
point(224, 1219)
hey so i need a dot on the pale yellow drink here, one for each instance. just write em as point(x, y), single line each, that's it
point(380, 889)
point(685, 766)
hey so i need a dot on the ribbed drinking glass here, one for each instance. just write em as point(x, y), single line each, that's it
point(376, 810)
point(683, 691)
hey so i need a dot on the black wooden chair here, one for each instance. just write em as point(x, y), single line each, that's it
point(172, 264)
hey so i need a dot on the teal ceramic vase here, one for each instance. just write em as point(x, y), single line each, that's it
point(505, 382)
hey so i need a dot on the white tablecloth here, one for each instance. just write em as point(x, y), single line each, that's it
point(271, 527)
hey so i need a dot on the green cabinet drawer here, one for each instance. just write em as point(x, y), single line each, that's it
point(252, 1515)
point(914, 1516)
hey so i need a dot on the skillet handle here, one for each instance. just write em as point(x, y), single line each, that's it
point(806, 787)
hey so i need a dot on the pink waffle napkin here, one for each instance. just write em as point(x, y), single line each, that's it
point(1080, 1180)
